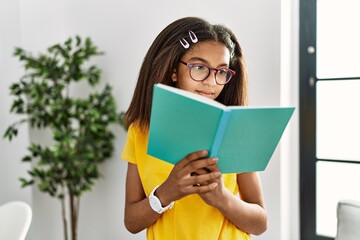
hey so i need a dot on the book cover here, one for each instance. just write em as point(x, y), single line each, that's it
point(243, 138)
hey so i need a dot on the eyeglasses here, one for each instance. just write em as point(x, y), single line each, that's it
point(199, 72)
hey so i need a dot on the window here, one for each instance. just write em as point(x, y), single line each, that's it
point(329, 112)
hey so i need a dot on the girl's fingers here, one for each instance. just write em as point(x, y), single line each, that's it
point(195, 162)
point(200, 171)
point(192, 174)
point(203, 179)
point(201, 164)
point(204, 188)
point(213, 168)
point(192, 157)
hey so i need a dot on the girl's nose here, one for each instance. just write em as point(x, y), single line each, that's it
point(211, 79)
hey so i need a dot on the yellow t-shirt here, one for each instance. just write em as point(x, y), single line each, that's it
point(190, 218)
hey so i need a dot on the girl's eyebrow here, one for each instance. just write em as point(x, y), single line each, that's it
point(206, 61)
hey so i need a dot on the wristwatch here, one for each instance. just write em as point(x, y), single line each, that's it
point(155, 203)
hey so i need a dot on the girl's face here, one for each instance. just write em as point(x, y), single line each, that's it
point(212, 54)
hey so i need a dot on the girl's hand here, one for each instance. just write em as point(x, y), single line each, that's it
point(182, 181)
point(215, 196)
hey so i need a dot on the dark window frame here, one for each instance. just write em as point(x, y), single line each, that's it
point(308, 121)
point(307, 133)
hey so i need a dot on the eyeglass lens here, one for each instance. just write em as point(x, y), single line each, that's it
point(200, 72)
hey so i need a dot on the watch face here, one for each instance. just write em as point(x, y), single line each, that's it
point(154, 204)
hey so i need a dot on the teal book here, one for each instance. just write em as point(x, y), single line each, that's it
point(243, 138)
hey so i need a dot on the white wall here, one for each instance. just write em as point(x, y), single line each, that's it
point(125, 30)
point(289, 169)
point(11, 153)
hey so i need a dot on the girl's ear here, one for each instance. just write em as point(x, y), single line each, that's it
point(174, 76)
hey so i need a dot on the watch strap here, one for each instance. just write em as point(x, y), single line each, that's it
point(156, 204)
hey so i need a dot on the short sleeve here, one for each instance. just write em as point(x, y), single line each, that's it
point(128, 153)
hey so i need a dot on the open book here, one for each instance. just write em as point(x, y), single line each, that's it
point(243, 138)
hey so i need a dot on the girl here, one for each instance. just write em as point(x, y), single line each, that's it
point(191, 200)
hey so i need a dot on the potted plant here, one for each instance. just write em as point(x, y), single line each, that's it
point(82, 139)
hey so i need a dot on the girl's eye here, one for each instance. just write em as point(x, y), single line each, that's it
point(198, 67)
point(222, 71)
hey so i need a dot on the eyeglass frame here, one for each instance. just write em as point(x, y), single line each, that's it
point(190, 65)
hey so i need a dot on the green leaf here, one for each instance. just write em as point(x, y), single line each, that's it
point(68, 43)
point(17, 106)
point(35, 149)
point(19, 51)
point(15, 89)
point(24, 182)
point(78, 40)
point(26, 159)
point(10, 132)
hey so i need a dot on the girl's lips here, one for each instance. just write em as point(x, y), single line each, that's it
point(205, 93)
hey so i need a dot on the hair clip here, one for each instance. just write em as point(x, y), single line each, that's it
point(184, 43)
point(193, 37)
